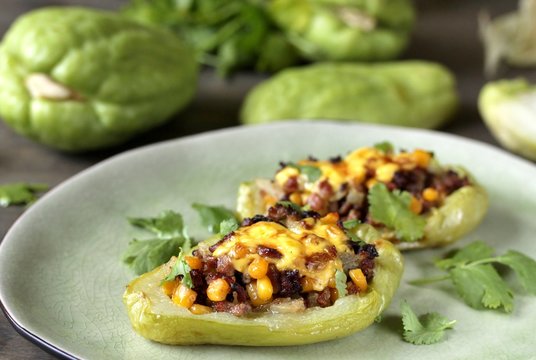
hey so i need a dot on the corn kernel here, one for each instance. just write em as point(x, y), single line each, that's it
point(264, 288)
point(307, 284)
point(199, 309)
point(415, 205)
point(332, 283)
point(430, 194)
point(296, 198)
point(168, 287)
point(371, 183)
point(184, 296)
point(331, 218)
point(421, 158)
point(218, 289)
point(386, 172)
point(258, 268)
point(240, 250)
point(193, 262)
point(251, 288)
point(359, 279)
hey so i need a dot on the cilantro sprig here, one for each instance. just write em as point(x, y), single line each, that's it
point(171, 236)
point(392, 210)
point(312, 173)
point(426, 329)
point(181, 268)
point(476, 280)
point(20, 193)
point(217, 219)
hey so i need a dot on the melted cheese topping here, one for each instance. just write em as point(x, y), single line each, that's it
point(295, 244)
point(354, 168)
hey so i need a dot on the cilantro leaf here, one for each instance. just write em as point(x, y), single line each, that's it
point(385, 146)
point(182, 268)
point(228, 226)
point(358, 232)
point(213, 216)
point(474, 251)
point(167, 225)
point(144, 256)
point(290, 204)
point(428, 329)
point(20, 193)
point(481, 285)
point(350, 224)
point(392, 210)
point(523, 266)
point(312, 173)
point(340, 283)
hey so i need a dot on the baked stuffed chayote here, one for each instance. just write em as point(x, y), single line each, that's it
point(409, 93)
point(345, 30)
point(408, 197)
point(79, 79)
point(508, 108)
point(287, 278)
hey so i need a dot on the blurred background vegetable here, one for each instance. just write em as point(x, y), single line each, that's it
point(510, 38)
point(508, 108)
point(228, 34)
point(406, 93)
point(354, 30)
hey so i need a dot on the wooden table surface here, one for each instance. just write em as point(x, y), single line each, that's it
point(446, 32)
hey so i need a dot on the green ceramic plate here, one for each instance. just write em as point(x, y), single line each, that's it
point(61, 278)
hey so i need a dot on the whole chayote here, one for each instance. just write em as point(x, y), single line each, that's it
point(79, 79)
point(345, 30)
point(508, 108)
point(406, 93)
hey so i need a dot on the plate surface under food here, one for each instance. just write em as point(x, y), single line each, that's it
point(62, 281)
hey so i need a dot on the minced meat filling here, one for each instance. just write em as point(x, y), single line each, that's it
point(286, 261)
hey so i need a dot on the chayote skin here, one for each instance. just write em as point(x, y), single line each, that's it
point(409, 93)
point(508, 108)
point(156, 317)
point(79, 79)
point(345, 30)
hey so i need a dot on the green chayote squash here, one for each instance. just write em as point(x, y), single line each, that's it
point(409, 93)
point(345, 30)
point(80, 79)
point(154, 316)
point(508, 108)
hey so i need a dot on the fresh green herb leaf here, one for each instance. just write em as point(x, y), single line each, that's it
point(523, 266)
point(312, 173)
point(478, 283)
point(392, 210)
point(181, 268)
point(144, 256)
point(428, 329)
point(350, 224)
point(340, 283)
point(20, 193)
point(481, 285)
point(385, 146)
point(290, 204)
point(168, 224)
point(228, 226)
point(213, 216)
point(360, 233)
point(475, 251)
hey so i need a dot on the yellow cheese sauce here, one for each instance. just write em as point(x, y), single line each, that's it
point(295, 244)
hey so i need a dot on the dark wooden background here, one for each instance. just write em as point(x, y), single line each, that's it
point(446, 32)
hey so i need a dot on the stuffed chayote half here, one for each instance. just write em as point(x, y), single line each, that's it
point(80, 79)
point(508, 108)
point(408, 93)
point(408, 196)
point(345, 30)
point(290, 277)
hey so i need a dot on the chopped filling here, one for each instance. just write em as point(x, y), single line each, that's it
point(341, 185)
point(284, 262)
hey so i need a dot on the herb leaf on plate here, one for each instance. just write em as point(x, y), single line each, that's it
point(425, 330)
point(212, 217)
